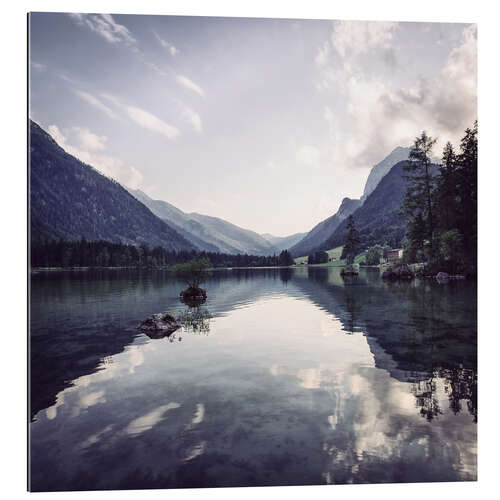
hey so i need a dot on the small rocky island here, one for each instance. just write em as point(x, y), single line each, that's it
point(193, 272)
point(159, 325)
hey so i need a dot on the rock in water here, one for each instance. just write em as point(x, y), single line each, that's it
point(159, 325)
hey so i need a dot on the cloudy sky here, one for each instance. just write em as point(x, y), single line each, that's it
point(266, 123)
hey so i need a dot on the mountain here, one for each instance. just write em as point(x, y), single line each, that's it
point(322, 231)
point(381, 169)
point(283, 242)
point(379, 219)
point(71, 200)
point(206, 232)
point(177, 219)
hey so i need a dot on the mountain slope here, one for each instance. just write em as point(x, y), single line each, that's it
point(382, 168)
point(379, 219)
point(71, 200)
point(208, 233)
point(190, 229)
point(322, 231)
point(283, 242)
point(235, 237)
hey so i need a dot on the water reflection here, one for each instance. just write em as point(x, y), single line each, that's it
point(277, 394)
point(195, 320)
point(417, 331)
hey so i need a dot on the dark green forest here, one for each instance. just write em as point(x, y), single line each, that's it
point(441, 210)
point(83, 253)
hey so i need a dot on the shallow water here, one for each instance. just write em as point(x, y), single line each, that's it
point(283, 377)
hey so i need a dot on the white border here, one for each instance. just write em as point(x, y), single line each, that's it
point(13, 228)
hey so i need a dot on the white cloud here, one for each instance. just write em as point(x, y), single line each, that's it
point(135, 178)
point(377, 116)
point(322, 55)
point(357, 37)
point(167, 45)
point(189, 84)
point(94, 101)
point(193, 118)
point(113, 99)
point(105, 26)
point(90, 141)
point(151, 122)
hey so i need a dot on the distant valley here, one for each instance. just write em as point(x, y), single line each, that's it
point(71, 200)
point(209, 233)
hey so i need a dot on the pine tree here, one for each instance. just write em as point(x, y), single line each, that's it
point(418, 201)
point(467, 190)
point(351, 243)
point(447, 190)
point(285, 259)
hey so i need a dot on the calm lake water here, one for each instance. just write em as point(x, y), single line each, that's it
point(283, 377)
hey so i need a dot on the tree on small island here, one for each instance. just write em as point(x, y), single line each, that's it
point(350, 247)
point(194, 272)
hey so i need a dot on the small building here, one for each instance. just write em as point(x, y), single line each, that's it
point(393, 254)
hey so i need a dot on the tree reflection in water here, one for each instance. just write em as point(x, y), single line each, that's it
point(425, 392)
point(195, 320)
point(285, 275)
point(430, 331)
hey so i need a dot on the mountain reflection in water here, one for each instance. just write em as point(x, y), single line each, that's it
point(283, 377)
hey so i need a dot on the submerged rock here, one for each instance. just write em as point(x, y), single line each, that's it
point(398, 273)
point(159, 325)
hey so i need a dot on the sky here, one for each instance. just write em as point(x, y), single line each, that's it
point(267, 123)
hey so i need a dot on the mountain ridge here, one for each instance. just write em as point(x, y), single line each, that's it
point(320, 232)
point(315, 238)
point(379, 218)
point(283, 242)
point(207, 230)
point(72, 200)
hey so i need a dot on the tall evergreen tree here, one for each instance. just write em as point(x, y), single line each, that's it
point(351, 243)
point(418, 202)
point(467, 189)
point(285, 259)
point(447, 191)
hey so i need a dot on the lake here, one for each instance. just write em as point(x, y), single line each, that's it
point(283, 377)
